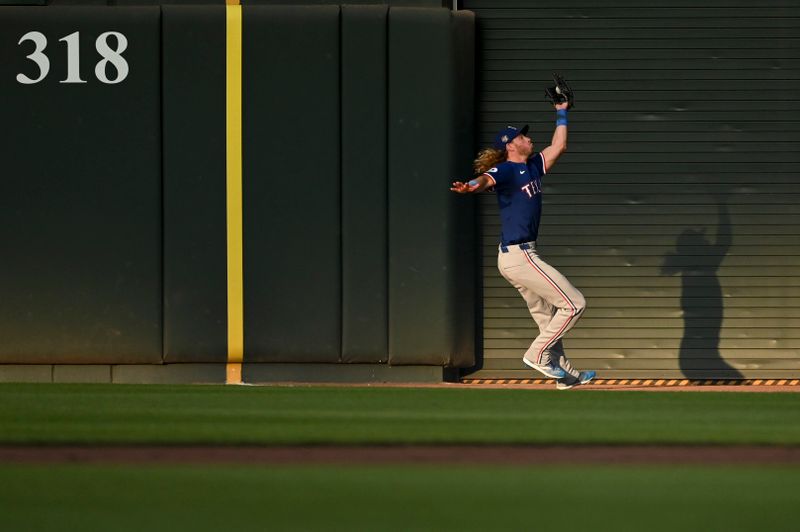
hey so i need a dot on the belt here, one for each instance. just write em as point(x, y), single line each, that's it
point(523, 245)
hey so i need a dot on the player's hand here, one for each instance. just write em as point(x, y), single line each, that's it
point(563, 105)
point(463, 188)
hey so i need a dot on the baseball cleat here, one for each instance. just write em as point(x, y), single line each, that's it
point(549, 370)
point(567, 382)
point(570, 382)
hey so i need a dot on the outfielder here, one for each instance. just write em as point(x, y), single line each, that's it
point(514, 171)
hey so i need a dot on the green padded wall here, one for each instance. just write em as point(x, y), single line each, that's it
point(675, 209)
point(116, 239)
point(408, 3)
point(463, 233)
point(195, 270)
point(364, 194)
point(424, 302)
point(220, 3)
point(291, 150)
point(405, 3)
point(80, 192)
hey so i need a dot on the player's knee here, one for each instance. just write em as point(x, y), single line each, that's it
point(579, 303)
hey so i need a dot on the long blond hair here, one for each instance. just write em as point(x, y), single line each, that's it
point(488, 158)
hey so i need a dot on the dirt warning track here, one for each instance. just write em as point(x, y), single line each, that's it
point(357, 455)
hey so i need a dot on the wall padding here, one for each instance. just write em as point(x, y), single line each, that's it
point(291, 186)
point(80, 193)
point(195, 289)
point(424, 312)
point(364, 200)
point(114, 210)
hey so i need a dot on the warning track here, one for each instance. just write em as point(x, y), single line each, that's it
point(654, 385)
point(359, 455)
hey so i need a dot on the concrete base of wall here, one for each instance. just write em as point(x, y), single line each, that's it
point(215, 373)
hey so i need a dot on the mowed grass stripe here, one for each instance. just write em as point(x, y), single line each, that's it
point(161, 414)
point(135, 498)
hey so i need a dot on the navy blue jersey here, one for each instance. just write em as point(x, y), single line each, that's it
point(519, 195)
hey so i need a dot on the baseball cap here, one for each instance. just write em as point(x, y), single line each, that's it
point(508, 134)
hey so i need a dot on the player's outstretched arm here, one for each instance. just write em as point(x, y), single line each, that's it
point(559, 143)
point(480, 183)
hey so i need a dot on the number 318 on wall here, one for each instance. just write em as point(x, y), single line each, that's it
point(109, 56)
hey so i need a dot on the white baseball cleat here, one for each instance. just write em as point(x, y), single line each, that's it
point(550, 370)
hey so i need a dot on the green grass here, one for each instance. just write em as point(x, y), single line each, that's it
point(392, 497)
point(151, 414)
point(128, 498)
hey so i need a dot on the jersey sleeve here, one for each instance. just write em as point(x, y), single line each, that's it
point(538, 161)
point(500, 174)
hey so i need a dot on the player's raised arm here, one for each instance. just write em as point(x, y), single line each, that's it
point(480, 183)
point(559, 143)
point(563, 99)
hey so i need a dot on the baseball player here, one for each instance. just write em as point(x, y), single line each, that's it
point(514, 171)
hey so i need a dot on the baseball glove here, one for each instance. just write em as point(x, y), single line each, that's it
point(561, 92)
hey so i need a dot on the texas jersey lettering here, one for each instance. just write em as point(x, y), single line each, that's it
point(519, 195)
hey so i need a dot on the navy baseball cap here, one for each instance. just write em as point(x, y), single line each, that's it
point(508, 134)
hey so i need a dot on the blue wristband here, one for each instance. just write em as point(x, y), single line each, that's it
point(561, 117)
point(473, 183)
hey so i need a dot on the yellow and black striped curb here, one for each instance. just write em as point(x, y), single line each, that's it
point(650, 382)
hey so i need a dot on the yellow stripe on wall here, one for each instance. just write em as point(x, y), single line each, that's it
point(234, 190)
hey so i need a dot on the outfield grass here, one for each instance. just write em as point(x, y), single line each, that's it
point(127, 498)
point(154, 414)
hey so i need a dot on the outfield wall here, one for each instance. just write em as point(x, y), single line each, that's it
point(117, 223)
point(674, 210)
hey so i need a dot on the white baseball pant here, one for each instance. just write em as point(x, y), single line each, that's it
point(553, 302)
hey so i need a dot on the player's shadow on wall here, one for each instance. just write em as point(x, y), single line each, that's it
point(697, 259)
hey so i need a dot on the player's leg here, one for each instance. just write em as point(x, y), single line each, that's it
point(573, 377)
point(557, 354)
point(550, 285)
point(513, 267)
point(542, 313)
